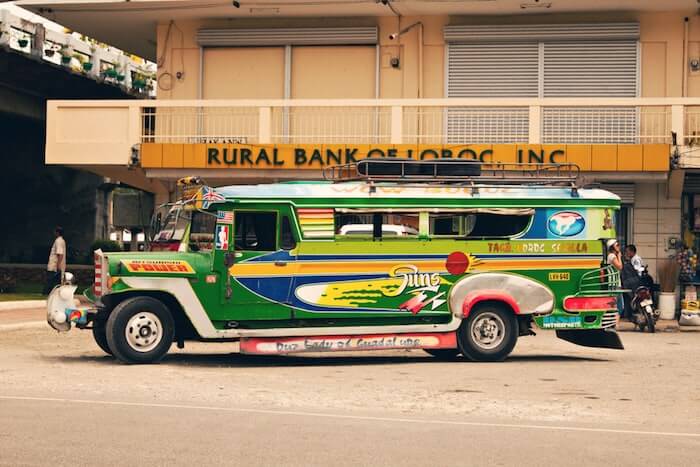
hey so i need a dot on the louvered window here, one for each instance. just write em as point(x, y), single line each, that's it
point(584, 60)
point(492, 70)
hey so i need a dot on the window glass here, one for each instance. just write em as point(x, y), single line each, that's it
point(202, 231)
point(478, 225)
point(376, 225)
point(287, 237)
point(255, 231)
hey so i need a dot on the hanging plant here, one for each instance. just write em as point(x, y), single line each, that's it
point(23, 42)
point(66, 59)
point(49, 52)
point(87, 66)
point(139, 83)
point(111, 73)
point(120, 77)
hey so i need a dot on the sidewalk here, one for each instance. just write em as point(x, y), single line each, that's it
point(22, 305)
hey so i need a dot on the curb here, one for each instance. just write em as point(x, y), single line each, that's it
point(22, 305)
point(662, 325)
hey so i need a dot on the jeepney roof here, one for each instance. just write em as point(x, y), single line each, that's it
point(317, 191)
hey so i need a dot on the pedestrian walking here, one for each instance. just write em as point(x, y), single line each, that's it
point(57, 262)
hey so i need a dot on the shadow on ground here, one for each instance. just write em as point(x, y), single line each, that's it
point(236, 360)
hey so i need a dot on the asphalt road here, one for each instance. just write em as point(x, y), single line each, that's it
point(62, 402)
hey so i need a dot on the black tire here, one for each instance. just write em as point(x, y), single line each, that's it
point(99, 333)
point(443, 354)
point(650, 321)
point(504, 337)
point(140, 330)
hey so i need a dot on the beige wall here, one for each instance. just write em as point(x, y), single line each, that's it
point(661, 44)
point(656, 218)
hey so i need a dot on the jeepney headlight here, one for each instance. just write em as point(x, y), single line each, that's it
point(69, 278)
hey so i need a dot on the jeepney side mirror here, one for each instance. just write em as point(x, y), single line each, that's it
point(229, 259)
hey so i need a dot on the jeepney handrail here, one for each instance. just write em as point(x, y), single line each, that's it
point(472, 172)
point(601, 281)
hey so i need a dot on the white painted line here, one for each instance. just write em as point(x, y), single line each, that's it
point(296, 413)
point(23, 325)
point(22, 305)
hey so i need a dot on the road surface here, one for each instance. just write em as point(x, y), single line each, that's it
point(63, 402)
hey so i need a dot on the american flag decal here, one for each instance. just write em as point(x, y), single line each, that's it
point(224, 217)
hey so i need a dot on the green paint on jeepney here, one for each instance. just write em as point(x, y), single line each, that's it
point(393, 281)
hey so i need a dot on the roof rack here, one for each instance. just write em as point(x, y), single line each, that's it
point(455, 171)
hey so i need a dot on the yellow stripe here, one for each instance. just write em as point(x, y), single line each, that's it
point(383, 267)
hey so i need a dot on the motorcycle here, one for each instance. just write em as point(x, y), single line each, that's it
point(644, 315)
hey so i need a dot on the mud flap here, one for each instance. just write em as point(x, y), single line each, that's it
point(604, 338)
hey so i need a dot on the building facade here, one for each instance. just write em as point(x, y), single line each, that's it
point(280, 91)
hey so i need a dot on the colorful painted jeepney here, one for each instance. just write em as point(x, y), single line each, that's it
point(439, 263)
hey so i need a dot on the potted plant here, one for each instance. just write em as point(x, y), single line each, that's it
point(120, 73)
point(111, 72)
point(66, 54)
point(23, 42)
point(668, 271)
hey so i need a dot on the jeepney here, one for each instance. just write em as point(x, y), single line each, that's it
point(486, 254)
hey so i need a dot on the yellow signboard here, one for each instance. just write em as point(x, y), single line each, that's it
point(611, 157)
point(159, 266)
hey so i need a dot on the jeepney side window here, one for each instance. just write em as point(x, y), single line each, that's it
point(480, 223)
point(202, 231)
point(255, 231)
point(287, 240)
point(364, 225)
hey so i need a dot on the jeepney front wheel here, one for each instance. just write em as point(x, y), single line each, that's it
point(489, 333)
point(140, 330)
point(99, 333)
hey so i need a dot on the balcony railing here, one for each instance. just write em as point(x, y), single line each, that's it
point(122, 124)
point(77, 54)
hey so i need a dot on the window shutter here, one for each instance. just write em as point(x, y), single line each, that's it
point(590, 69)
point(492, 70)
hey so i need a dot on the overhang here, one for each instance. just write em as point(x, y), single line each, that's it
point(131, 25)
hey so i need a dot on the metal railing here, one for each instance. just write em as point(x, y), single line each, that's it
point(410, 121)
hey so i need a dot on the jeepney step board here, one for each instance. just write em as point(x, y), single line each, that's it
point(305, 344)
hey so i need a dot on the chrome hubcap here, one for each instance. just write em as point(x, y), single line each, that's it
point(144, 331)
point(488, 330)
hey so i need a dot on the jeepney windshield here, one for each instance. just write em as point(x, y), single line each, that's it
point(174, 226)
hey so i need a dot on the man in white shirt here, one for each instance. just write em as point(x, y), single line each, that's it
point(57, 262)
point(634, 259)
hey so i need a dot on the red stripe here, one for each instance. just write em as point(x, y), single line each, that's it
point(590, 303)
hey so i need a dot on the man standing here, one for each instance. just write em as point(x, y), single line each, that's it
point(57, 262)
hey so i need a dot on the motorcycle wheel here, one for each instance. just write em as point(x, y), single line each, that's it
point(650, 320)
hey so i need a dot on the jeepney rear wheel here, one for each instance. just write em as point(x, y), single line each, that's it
point(443, 354)
point(140, 330)
point(99, 333)
point(489, 333)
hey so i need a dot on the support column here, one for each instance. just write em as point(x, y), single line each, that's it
point(535, 125)
point(396, 124)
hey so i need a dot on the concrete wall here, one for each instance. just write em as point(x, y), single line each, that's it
point(256, 73)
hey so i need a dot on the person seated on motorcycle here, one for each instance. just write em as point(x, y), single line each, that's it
point(636, 260)
point(630, 281)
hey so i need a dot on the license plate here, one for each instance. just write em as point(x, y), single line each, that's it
point(646, 302)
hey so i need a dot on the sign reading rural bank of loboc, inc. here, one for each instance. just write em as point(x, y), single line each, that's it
point(610, 157)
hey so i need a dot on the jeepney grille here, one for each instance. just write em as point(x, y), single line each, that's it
point(609, 319)
point(603, 281)
point(100, 286)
